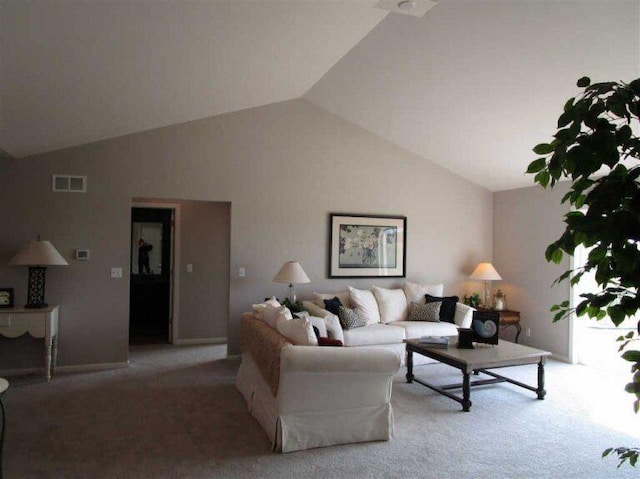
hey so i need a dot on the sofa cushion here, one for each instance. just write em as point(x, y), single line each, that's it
point(425, 312)
point(258, 309)
point(447, 308)
point(344, 297)
point(270, 314)
point(374, 334)
point(298, 331)
point(316, 322)
point(365, 302)
point(417, 329)
point(333, 305)
point(350, 319)
point(415, 292)
point(392, 304)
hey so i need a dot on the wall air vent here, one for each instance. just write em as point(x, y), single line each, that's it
point(69, 184)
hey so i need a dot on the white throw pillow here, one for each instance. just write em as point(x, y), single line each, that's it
point(392, 304)
point(365, 302)
point(258, 309)
point(344, 297)
point(315, 321)
point(270, 314)
point(298, 331)
point(415, 292)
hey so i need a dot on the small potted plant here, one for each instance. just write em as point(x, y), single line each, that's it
point(472, 300)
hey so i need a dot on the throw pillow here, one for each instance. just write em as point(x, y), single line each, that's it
point(333, 305)
point(258, 309)
point(392, 304)
point(350, 319)
point(329, 342)
point(270, 314)
point(298, 331)
point(425, 312)
point(345, 299)
point(365, 303)
point(448, 307)
point(415, 292)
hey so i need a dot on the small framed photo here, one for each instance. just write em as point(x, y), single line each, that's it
point(371, 246)
point(6, 297)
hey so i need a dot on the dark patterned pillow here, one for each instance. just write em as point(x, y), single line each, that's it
point(350, 319)
point(448, 307)
point(333, 305)
point(425, 312)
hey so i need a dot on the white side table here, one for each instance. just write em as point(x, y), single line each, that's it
point(4, 384)
point(39, 323)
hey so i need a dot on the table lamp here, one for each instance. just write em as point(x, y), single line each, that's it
point(292, 273)
point(37, 255)
point(486, 272)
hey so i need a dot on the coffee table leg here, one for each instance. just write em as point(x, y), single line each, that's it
point(541, 392)
point(466, 392)
point(409, 366)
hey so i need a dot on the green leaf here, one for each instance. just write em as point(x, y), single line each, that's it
point(543, 178)
point(537, 165)
point(543, 149)
point(584, 82)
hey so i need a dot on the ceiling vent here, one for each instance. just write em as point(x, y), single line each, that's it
point(415, 8)
point(69, 184)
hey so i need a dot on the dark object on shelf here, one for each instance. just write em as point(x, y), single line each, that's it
point(6, 297)
point(465, 338)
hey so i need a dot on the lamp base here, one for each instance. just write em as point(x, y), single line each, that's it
point(35, 295)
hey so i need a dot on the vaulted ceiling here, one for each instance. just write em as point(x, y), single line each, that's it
point(472, 85)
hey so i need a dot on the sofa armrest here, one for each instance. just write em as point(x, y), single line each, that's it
point(464, 315)
point(316, 379)
point(331, 321)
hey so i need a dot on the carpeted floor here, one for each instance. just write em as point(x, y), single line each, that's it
point(174, 413)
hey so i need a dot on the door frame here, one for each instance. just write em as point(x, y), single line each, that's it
point(174, 286)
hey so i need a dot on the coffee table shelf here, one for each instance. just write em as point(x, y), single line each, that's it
point(475, 361)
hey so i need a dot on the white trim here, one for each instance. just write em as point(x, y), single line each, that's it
point(175, 248)
point(189, 342)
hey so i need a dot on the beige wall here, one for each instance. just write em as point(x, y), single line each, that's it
point(283, 167)
point(526, 221)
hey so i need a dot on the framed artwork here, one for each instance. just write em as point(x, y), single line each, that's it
point(6, 297)
point(367, 246)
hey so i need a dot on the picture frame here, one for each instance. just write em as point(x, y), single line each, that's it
point(6, 298)
point(367, 246)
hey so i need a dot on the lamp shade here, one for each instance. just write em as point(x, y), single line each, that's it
point(485, 272)
point(38, 253)
point(291, 272)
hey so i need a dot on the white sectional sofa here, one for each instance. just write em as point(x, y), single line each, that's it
point(390, 334)
point(305, 395)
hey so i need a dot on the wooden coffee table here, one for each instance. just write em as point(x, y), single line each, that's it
point(475, 361)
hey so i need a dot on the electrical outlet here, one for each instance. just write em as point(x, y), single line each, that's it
point(241, 272)
point(528, 333)
point(116, 272)
point(189, 268)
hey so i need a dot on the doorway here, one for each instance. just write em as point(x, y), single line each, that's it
point(150, 305)
point(594, 342)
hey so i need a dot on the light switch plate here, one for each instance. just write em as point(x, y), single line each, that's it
point(189, 268)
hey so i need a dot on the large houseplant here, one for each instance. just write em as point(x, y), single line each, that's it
point(597, 148)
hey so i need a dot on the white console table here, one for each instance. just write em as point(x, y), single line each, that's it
point(39, 323)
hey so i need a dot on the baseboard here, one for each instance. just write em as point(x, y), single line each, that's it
point(563, 359)
point(193, 342)
point(21, 371)
point(85, 368)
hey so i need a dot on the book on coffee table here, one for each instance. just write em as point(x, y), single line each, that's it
point(434, 341)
